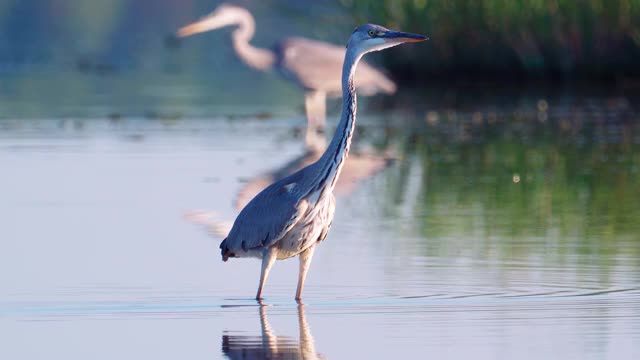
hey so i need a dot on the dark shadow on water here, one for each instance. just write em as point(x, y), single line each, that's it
point(270, 346)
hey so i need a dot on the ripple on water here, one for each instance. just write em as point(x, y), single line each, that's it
point(112, 303)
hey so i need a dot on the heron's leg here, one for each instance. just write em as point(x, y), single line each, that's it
point(315, 103)
point(268, 258)
point(305, 261)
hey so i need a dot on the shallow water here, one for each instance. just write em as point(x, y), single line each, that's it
point(483, 240)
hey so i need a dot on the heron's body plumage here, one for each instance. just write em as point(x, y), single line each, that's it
point(294, 213)
point(282, 218)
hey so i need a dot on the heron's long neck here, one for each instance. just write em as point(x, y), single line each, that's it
point(332, 161)
point(257, 58)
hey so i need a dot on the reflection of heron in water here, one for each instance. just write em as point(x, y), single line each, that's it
point(313, 65)
point(291, 216)
point(359, 167)
point(270, 346)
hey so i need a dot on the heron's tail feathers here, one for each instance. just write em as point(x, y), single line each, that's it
point(224, 250)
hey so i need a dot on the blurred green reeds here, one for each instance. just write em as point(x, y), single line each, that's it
point(514, 39)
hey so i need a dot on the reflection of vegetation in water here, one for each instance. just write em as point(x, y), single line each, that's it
point(557, 188)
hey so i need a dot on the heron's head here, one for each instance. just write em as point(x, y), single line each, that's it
point(224, 15)
point(370, 37)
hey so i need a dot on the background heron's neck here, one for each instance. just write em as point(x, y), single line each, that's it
point(257, 58)
point(332, 161)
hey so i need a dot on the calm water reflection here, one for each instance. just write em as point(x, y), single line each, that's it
point(507, 233)
point(269, 345)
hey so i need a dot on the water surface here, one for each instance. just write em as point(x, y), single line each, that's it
point(506, 233)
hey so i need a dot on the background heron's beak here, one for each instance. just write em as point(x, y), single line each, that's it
point(211, 22)
point(402, 37)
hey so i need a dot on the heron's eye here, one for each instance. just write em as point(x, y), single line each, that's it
point(372, 33)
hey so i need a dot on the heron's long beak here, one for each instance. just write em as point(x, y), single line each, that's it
point(209, 22)
point(402, 37)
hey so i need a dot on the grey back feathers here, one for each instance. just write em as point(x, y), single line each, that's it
point(267, 217)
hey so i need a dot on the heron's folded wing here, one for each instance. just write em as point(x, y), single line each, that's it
point(266, 218)
point(259, 183)
point(251, 189)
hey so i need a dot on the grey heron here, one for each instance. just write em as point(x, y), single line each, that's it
point(313, 65)
point(291, 216)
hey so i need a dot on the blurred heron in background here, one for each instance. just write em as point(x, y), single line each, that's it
point(291, 216)
point(313, 65)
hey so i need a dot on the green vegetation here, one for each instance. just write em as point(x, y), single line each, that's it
point(495, 40)
point(559, 39)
